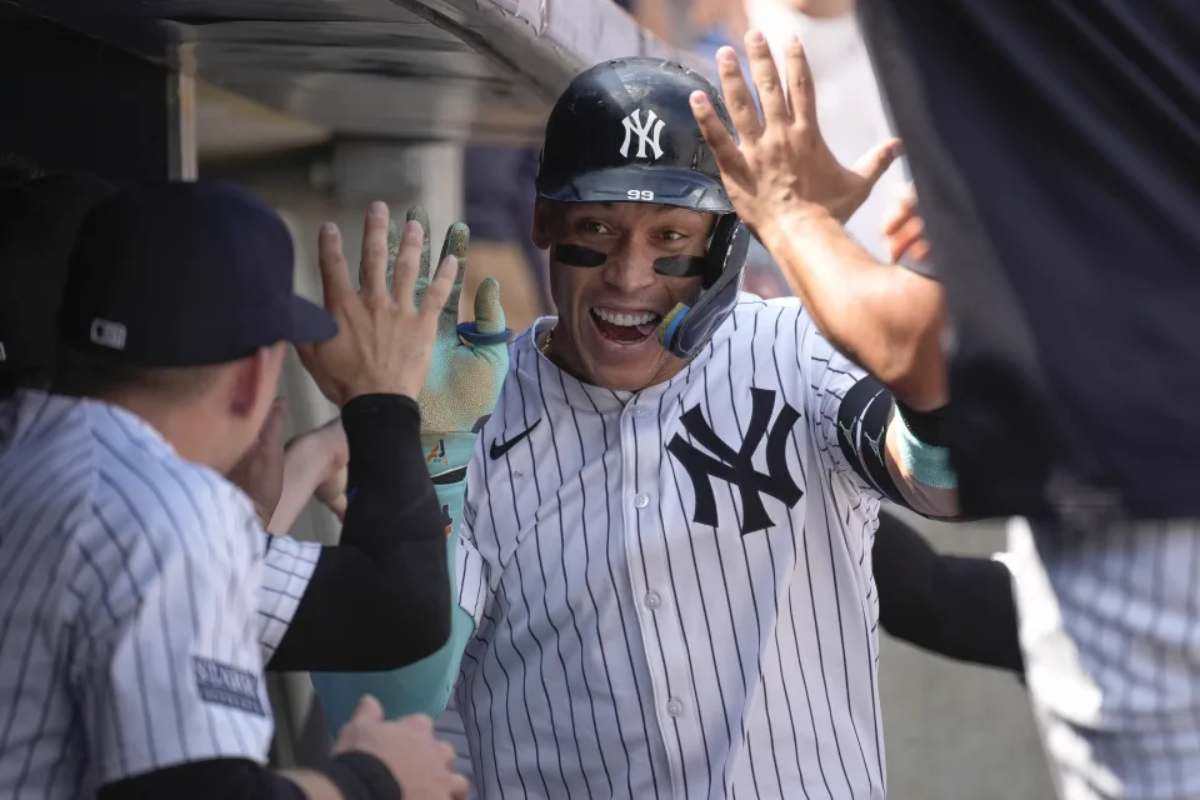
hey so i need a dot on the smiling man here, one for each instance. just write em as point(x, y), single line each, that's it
point(665, 540)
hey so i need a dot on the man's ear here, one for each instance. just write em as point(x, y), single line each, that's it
point(255, 381)
point(247, 384)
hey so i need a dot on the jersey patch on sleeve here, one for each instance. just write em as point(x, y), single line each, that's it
point(227, 685)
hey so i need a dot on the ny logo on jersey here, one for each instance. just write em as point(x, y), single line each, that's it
point(647, 134)
point(736, 466)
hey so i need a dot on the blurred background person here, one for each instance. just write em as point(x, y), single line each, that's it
point(850, 107)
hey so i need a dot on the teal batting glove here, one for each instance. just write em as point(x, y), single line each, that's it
point(469, 361)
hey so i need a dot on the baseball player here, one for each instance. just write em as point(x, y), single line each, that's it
point(664, 550)
point(133, 630)
point(308, 591)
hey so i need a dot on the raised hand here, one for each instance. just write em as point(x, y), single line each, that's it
point(781, 171)
point(470, 359)
point(385, 337)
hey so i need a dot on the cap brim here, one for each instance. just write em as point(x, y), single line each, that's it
point(639, 183)
point(310, 322)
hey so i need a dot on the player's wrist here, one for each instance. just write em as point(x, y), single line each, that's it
point(788, 225)
point(359, 775)
point(368, 388)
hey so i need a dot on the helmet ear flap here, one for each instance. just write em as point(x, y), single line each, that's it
point(687, 328)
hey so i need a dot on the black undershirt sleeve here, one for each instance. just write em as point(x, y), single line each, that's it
point(959, 607)
point(379, 599)
point(226, 778)
point(863, 417)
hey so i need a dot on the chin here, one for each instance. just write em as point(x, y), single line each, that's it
point(633, 372)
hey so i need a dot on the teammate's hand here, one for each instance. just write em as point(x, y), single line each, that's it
point(422, 765)
point(260, 472)
point(466, 372)
point(384, 338)
point(782, 171)
point(904, 229)
point(325, 451)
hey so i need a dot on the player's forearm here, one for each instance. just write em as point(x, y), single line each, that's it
point(886, 319)
point(227, 778)
point(391, 563)
point(962, 608)
point(304, 467)
point(337, 625)
point(391, 494)
point(314, 785)
point(921, 471)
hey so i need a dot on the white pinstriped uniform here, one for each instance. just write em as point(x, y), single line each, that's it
point(625, 649)
point(133, 620)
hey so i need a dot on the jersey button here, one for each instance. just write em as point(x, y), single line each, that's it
point(641, 500)
point(641, 412)
point(653, 600)
point(674, 707)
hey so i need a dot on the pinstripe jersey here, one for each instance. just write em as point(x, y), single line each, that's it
point(672, 588)
point(133, 617)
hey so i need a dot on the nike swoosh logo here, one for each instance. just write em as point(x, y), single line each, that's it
point(498, 449)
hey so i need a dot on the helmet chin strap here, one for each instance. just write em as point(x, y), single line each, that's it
point(670, 325)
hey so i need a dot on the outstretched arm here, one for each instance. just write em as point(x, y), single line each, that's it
point(787, 186)
point(957, 606)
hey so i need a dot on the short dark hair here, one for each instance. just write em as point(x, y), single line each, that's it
point(81, 373)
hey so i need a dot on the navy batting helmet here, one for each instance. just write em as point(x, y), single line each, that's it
point(623, 131)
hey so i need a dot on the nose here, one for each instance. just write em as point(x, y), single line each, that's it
point(630, 267)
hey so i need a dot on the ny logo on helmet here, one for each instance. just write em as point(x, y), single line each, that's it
point(647, 134)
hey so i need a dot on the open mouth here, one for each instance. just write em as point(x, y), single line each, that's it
point(625, 327)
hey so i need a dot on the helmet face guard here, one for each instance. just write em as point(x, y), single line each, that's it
point(624, 132)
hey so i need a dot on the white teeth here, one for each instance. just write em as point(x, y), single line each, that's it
point(624, 319)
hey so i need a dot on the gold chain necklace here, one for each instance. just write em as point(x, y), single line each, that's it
point(545, 346)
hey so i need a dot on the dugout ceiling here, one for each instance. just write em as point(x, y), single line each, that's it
point(443, 70)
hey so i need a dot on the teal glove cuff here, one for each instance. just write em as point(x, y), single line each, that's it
point(927, 463)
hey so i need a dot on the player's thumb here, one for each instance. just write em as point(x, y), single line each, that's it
point(876, 160)
point(367, 710)
point(489, 313)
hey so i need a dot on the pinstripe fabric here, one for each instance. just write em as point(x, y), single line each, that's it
point(629, 645)
point(1110, 627)
point(129, 638)
point(288, 566)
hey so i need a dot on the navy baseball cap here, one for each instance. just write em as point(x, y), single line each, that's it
point(185, 274)
point(39, 220)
